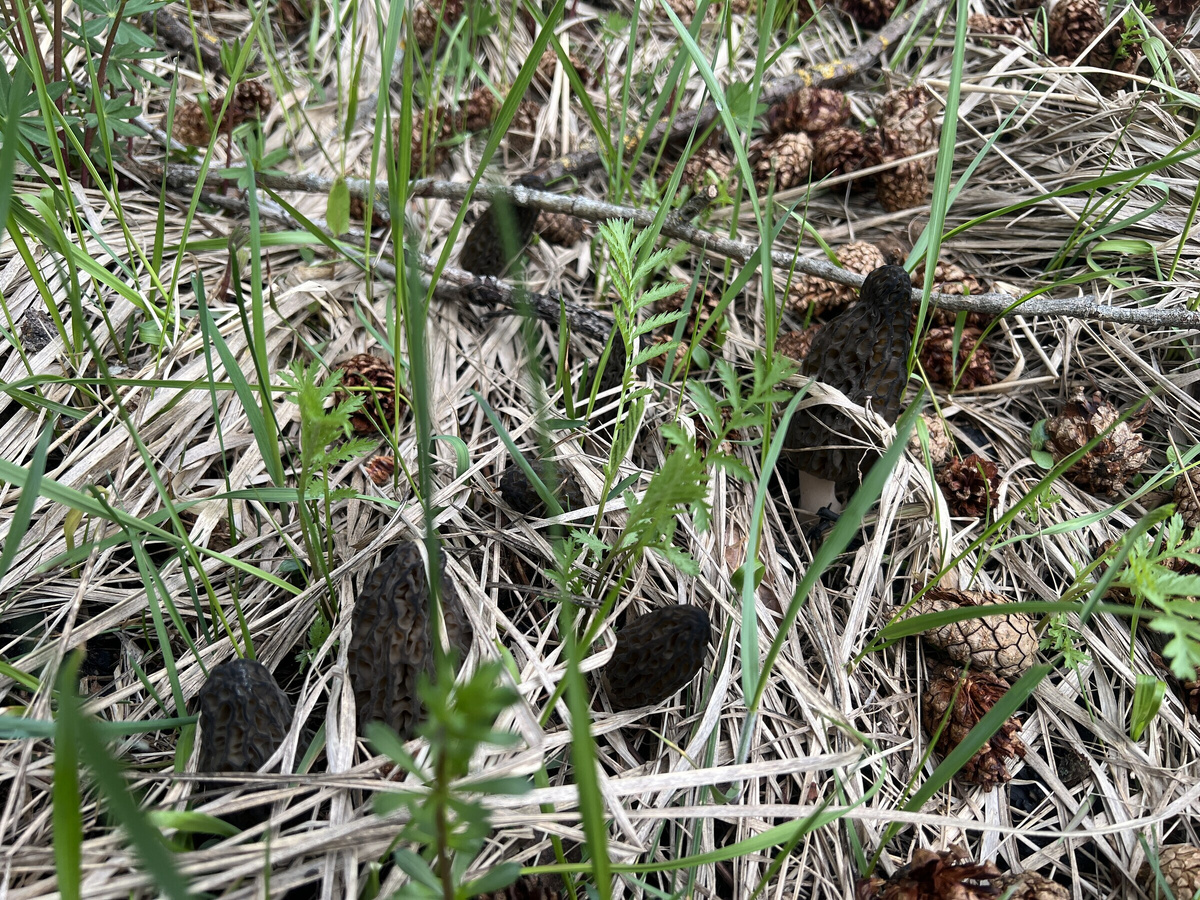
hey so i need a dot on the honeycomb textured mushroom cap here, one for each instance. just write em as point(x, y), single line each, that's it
point(519, 493)
point(391, 641)
point(863, 352)
point(501, 233)
point(656, 655)
point(244, 717)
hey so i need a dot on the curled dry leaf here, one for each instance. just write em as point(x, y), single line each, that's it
point(656, 655)
point(960, 703)
point(1110, 463)
point(941, 445)
point(1004, 644)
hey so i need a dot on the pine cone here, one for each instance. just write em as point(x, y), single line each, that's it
point(375, 381)
point(524, 127)
point(1177, 8)
point(358, 211)
point(970, 486)
point(244, 717)
point(381, 469)
point(869, 13)
point(796, 344)
point(809, 291)
point(1187, 497)
point(543, 76)
point(905, 186)
point(1073, 24)
point(906, 123)
point(561, 229)
point(1030, 886)
point(1119, 53)
point(941, 445)
point(530, 887)
point(787, 159)
point(997, 26)
point(706, 165)
point(936, 353)
point(1180, 867)
point(391, 643)
point(972, 700)
point(428, 14)
point(1005, 645)
point(944, 875)
point(190, 125)
point(656, 656)
point(811, 109)
point(842, 151)
point(1114, 460)
point(251, 100)
point(479, 110)
point(519, 493)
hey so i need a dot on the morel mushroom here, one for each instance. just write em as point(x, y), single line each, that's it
point(391, 642)
point(863, 352)
point(244, 717)
point(656, 655)
point(519, 493)
point(501, 233)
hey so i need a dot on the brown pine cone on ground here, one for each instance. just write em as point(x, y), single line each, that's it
point(870, 13)
point(906, 122)
point(999, 26)
point(1187, 497)
point(373, 379)
point(973, 366)
point(970, 486)
point(810, 292)
point(428, 13)
point(787, 159)
point(941, 445)
point(657, 655)
point(968, 700)
point(1006, 644)
point(844, 151)
point(706, 165)
point(431, 130)
point(523, 129)
point(905, 186)
point(1072, 25)
point(543, 76)
point(943, 875)
point(1110, 463)
point(478, 111)
point(1030, 886)
point(1180, 868)
point(1119, 53)
point(561, 229)
point(811, 109)
point(796, 344)
point(251, 100)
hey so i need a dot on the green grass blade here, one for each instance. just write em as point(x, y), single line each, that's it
point(29, 496)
